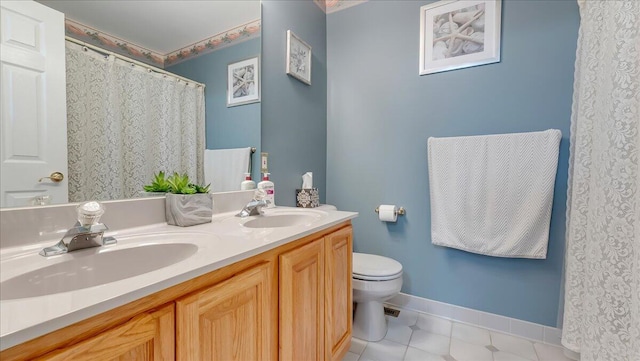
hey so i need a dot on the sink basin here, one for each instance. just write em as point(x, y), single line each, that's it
point(276, 218)
point(93, 267)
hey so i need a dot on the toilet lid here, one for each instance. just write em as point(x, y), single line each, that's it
point(374, 267)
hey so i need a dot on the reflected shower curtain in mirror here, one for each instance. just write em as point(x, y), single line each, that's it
point(126, 123)
point(602, 262)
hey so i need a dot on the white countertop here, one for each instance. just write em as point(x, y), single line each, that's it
point(220, 243)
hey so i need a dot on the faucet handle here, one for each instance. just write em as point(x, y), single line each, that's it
point(89, 213)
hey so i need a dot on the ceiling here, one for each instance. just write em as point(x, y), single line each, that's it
point(161, 26)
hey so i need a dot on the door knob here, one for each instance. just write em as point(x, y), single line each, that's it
point(55, 177)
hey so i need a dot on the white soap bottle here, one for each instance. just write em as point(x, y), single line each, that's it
point(247, 183)
point(269, 189)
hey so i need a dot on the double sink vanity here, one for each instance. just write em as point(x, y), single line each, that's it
point(266, 287)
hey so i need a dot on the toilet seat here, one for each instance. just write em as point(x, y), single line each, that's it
point(371, 267)
point(372, 278)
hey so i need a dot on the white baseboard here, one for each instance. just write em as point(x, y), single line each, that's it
point(491, 321)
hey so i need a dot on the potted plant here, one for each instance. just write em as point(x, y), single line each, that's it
point(187, 204)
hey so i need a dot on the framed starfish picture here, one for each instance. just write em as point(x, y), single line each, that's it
point(457, 34)
point(298, 58)
point(243, 82)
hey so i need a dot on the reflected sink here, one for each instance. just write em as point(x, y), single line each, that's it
point(288, 218)
point(86, 269)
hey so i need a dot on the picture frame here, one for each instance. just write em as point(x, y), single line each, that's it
point(475, 39)
point(243, 82)
point(298, 58)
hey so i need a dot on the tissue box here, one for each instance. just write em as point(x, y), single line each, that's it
point(307, 198)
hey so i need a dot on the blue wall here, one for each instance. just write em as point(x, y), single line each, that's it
point(294, 115)
point(235, 127)
point(381, 112)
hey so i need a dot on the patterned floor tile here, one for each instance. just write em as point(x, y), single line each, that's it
point(471, 334)
point(505, 356)
point(550, 353)
point(434, 324)
point(430, 342)
point(414, 354)
point(465, 351)
point(350, 356)
point(357, 345)
point(384, 350)
point(513, 345)
point(432, 338)
point(398, 333)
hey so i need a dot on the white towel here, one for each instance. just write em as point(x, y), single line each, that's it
point(492, 194)
point(224, 168)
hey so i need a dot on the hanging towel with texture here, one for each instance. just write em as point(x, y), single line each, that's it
point(224, 168)
point(492, 194)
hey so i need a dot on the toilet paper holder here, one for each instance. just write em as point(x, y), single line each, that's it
point(399, 212)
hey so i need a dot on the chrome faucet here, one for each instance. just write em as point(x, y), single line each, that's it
point(80, 237)
point(254, 207)
point(86, 233)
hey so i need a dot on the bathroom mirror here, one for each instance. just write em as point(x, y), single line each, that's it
point(165, 27)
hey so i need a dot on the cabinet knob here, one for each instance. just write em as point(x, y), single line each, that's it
point(55, 177)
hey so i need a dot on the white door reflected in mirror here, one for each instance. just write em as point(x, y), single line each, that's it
point(34, 121)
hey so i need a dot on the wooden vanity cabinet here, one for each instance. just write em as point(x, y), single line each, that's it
point(146, 337)
point(338, 293)
point(292, 303)
point(316, 299)
point(302, 303)
point(230, 321)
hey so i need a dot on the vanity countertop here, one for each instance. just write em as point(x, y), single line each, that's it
point(220, 243)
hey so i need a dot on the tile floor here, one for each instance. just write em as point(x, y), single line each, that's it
point(414, 336)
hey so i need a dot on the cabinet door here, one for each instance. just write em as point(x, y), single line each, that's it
point(302, 303)
point(232, 320)
point(146, 337)
point(338, 293)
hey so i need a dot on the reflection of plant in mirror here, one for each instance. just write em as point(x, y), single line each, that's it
point(180, 184)
point(159, 184)
point(175, 183)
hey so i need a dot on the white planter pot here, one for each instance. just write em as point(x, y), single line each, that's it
point(186, 210)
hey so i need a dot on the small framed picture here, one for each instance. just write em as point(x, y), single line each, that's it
point(457, 34)
point(243, 82)
point(298, 58)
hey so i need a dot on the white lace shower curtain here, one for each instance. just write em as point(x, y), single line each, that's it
point(602, 275)
point(126, 123)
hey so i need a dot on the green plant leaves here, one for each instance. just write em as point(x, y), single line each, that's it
point(201, 189)
point(176, 183)
point(159, 184)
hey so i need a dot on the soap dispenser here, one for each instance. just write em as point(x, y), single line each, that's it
point(247, 183)
point(269, 189)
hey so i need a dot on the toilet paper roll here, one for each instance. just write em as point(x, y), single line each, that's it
point(388, 213)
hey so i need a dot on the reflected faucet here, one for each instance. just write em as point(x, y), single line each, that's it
point(86, 233)
point(254, 207)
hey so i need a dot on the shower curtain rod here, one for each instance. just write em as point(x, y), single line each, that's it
point(132, 61)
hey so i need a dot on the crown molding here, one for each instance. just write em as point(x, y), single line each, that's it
point(332, 6)
point(120, 46)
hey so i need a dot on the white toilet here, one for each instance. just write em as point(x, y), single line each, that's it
point(375, 280)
